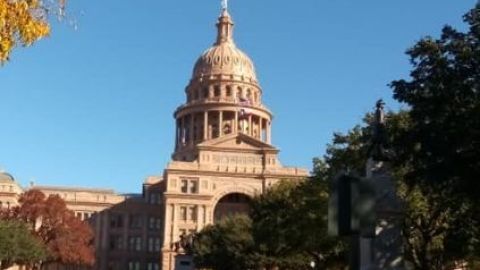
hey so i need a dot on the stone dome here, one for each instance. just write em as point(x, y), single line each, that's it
point(6, 177)
point(224, 58)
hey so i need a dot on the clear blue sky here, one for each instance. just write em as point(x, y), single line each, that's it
point(93, 107)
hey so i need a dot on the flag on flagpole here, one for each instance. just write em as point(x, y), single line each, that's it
point(244, 112)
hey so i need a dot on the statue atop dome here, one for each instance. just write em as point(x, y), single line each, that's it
point(224, 4)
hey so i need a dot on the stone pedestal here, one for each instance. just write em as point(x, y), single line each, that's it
point(385, 251)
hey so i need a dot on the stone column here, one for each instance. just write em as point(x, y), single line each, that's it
point(269, 130)
point(190, 132)
point(220, 123)
point(205, 125)
point(210, 92)
point(182, 132)
point(235, 123)
point(167, 227)
point(173, 224)
point(386, 248)
point(177, 138)
point(250, 127)
point(260, 128)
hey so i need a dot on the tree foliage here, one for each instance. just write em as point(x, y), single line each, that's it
point(290, 225)
point(67, 239)
point(287, 230)
point(227, 245)
point(440, 151)
point(439, 227)
point(18, 245)
point(443, 145)
point(22, 22)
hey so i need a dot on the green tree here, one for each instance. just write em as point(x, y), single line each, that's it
point(440, 154)
point(443, 145)
point(227, 245)
point(439, 227)
point(290, 225)
point(277, 240)
point(18, 245)
point(287, 230)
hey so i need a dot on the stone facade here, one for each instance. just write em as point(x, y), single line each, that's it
point(9, 190)
point(127, 227)
point(223, 152)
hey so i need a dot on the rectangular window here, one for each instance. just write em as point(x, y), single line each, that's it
point(151, 223)
point(193, 186)
point(131, 243)
point(184, 186)
point(150, 244)
point(116, 221)
point(154, 198)
point(116, 242)
point(119, 242)
point(153, 266)
point(189, 186)
point(135, 243)
point(154, 244)
point(216, 91)
point(136, 221)
point(183, 213)
point(154, 223)
point(120, 221)
point(158, 245)
point(192, 212)
point(133, 265)
point(138, 244)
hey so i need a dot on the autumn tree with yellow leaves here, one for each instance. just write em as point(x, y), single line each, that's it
point(22, 22)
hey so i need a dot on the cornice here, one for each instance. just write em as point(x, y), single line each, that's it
point(202, 106)
point(203, 197)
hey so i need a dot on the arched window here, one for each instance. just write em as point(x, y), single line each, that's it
point(229, 91)
point(239, 92)
point(205, 92)
point(216, 91)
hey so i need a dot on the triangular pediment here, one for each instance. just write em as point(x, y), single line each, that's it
point(237, 141)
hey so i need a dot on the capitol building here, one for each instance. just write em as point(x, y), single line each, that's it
point(223, 157)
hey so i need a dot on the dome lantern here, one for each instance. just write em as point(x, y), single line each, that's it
point(224, 58)
point(225, 28)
